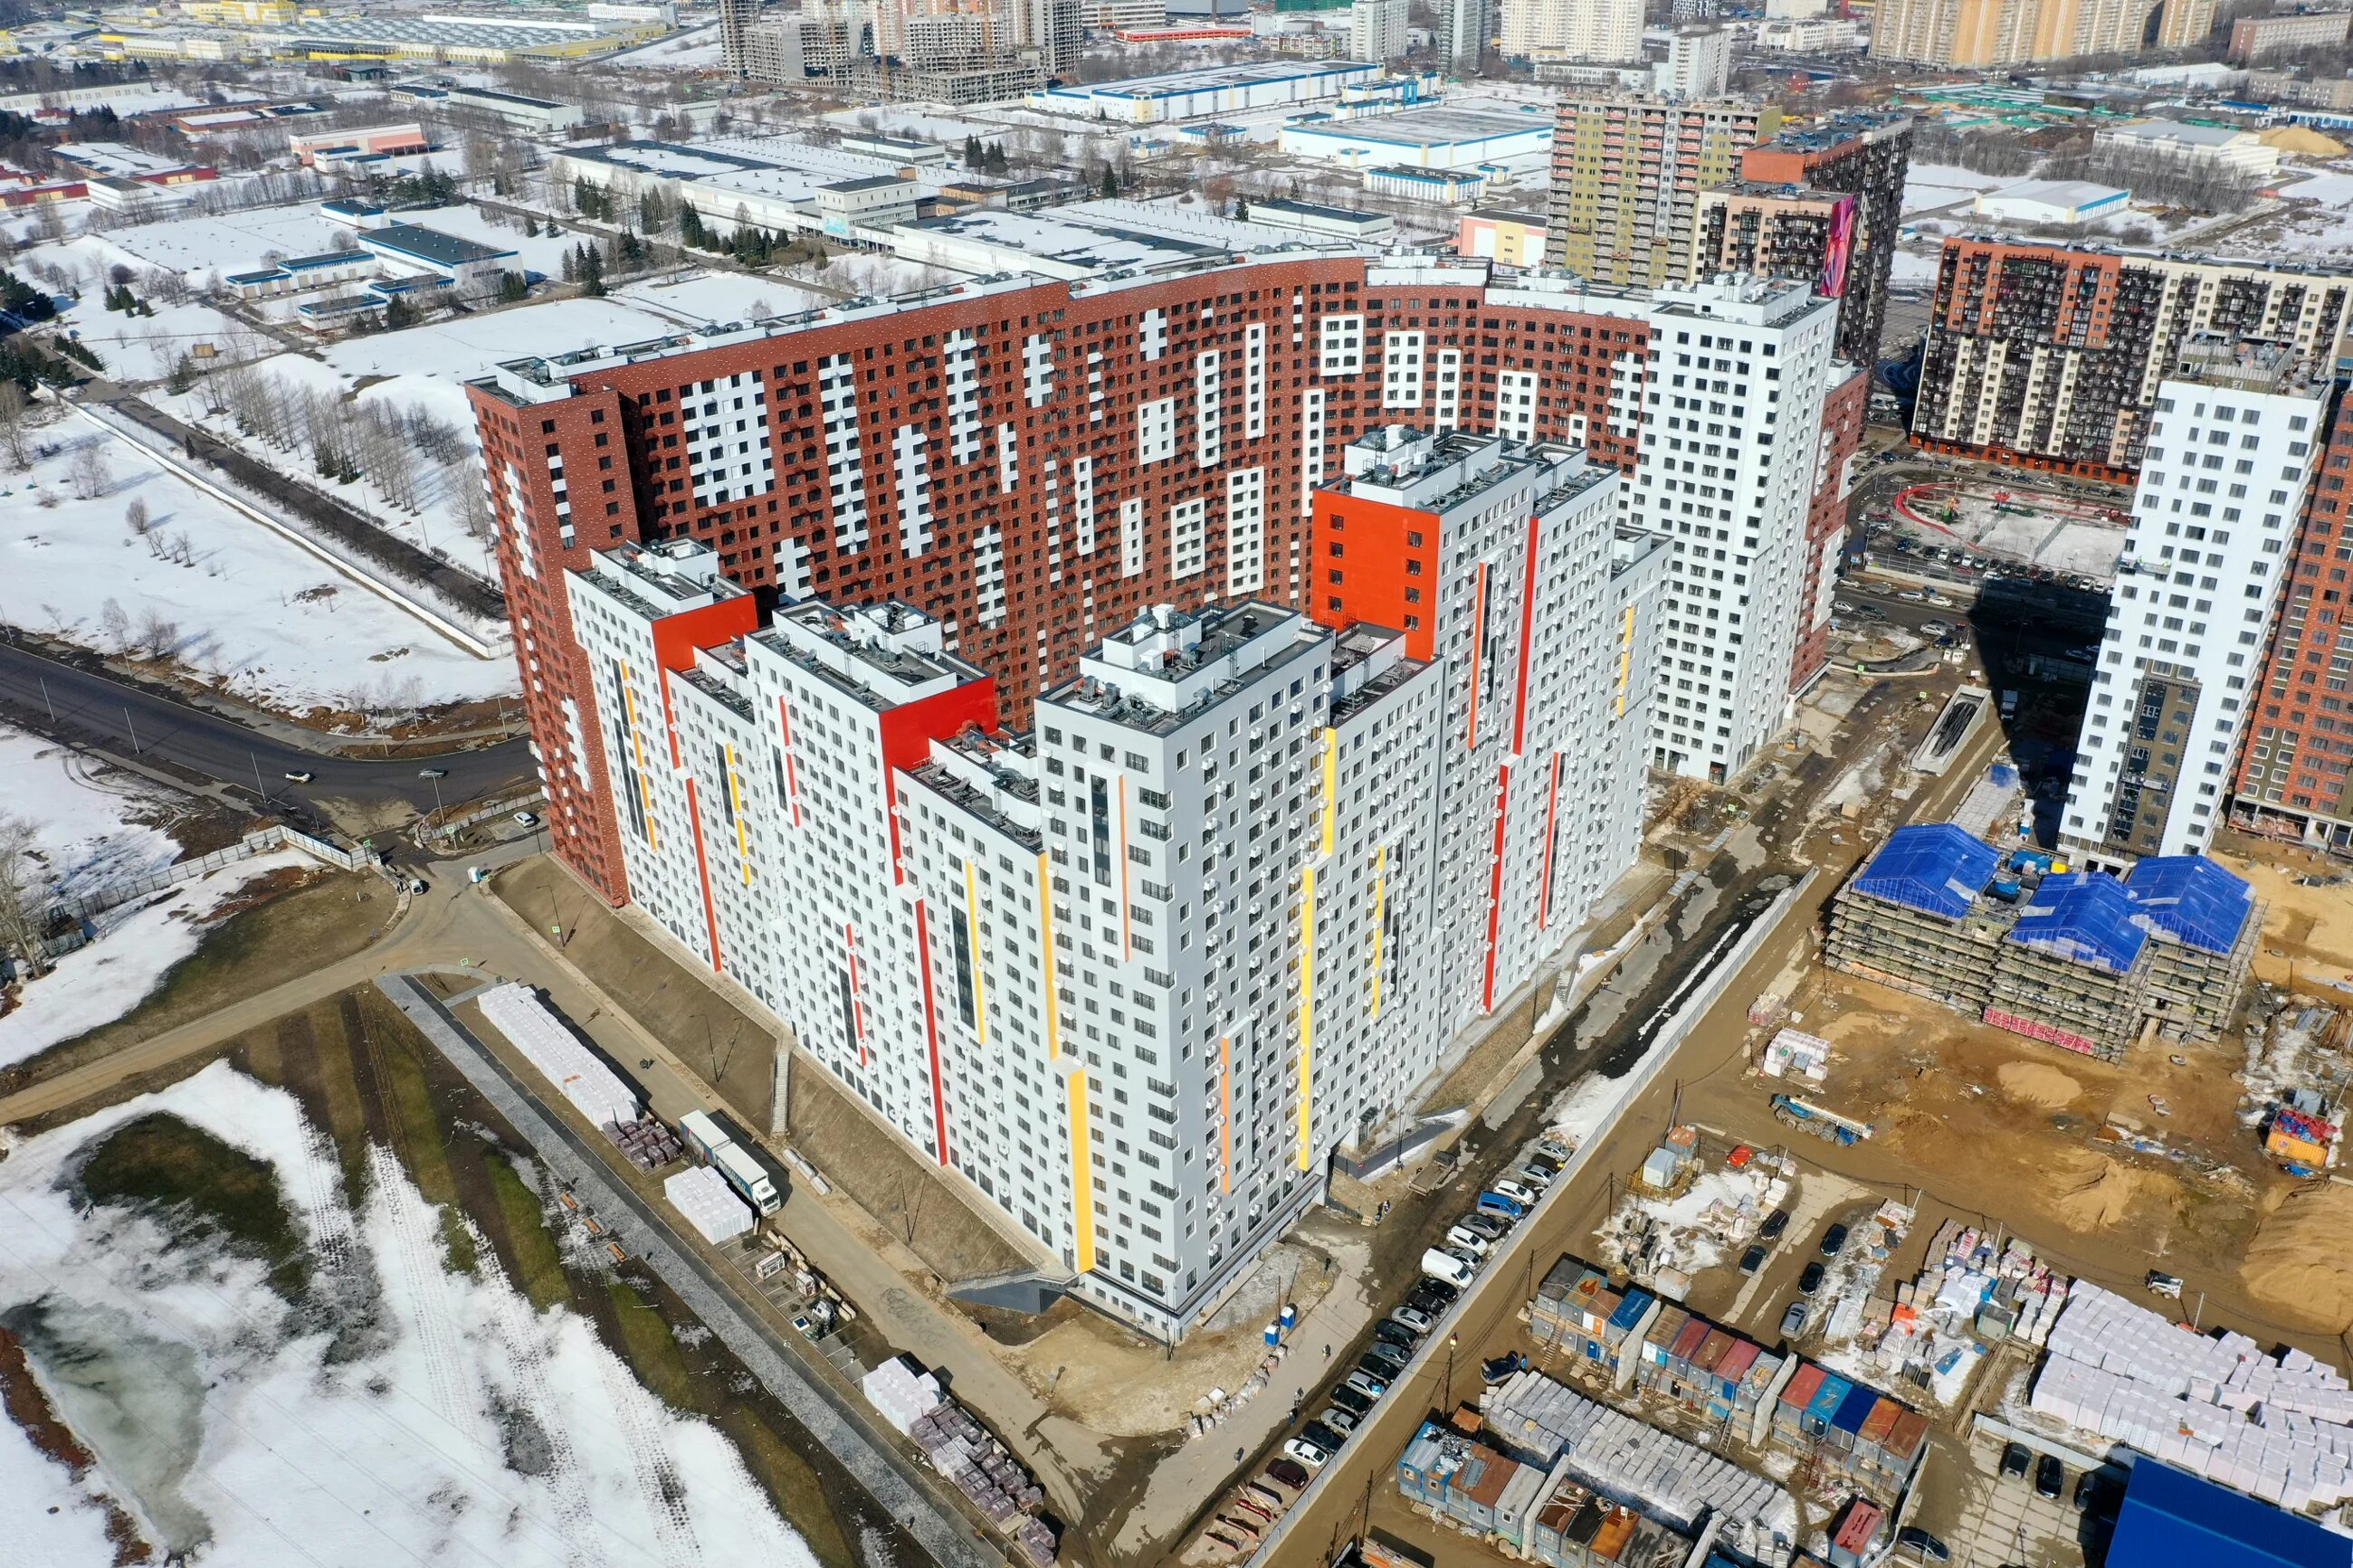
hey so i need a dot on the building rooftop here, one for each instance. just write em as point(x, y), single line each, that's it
point(2058, 193)
point(1311, 209)
point(2170, 1516)
point(1932, 867)
point(1503, 214)
point(431, 246)
point(1173, 84)
point(2084, 917)
point(1430, 127)
point(2176, 131)
point(498, 97)
point(2193, 899)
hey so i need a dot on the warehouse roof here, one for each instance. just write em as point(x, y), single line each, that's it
point(2191, 900)
point(1934, 867)
point(2082, 916)
point(430, 245)
point(2170, 1516)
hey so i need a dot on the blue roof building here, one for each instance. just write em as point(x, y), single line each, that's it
point(2172, 1518)
point(2191, 900)
point(2082, 916)
point(1936, 868)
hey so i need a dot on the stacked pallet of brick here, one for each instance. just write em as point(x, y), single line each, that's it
point(1543, 1422)
point(961, 1449)
point(2280, 1428)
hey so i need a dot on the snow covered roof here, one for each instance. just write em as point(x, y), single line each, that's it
point(1932, 867)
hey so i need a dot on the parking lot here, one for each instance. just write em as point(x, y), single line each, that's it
point(2003, 1522)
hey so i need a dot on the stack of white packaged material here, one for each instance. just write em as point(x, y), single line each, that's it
point(716, 1211)
point(1666, 1477)
point(901, 1393)
point(594, 1089)
point(1793, 1052)
point(2280, 1429)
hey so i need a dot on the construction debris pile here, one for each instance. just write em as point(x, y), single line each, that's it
point(2280, 1428)
point(1968, 1294)
point(1665, 1237)
point(1547, 1425)
point(1854, 1274)
point(961, 1449)
point(2295, 1077)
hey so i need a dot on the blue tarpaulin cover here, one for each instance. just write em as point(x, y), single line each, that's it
point(1934, 867)
point(2193, 899)
point(2085, 916)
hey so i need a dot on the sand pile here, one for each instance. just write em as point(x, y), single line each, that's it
point(2039, 1083)
point(2299, 1263)
point(2094, 1192)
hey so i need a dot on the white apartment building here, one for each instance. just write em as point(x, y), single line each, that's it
point(1136, 975)
point(1698, 64)
point(2232, 449)
point(1601, 30)
point(1377, 30)
point(1739, 368)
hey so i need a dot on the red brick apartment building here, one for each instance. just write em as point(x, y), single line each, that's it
point(1034, 462)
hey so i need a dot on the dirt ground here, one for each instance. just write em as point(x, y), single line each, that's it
point(2308, 931)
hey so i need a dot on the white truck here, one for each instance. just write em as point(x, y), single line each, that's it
point(747, 1176)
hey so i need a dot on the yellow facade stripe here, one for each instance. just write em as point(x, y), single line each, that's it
point(971, 939)
point(1625, 656)
point(1307, 1018)
point(1380, 895)
point(1046, 959)
point(638, 747)
point(1331, 785)
point(1083, 1193)
point(735, 803)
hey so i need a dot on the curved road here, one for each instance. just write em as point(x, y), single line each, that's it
point(131, 718)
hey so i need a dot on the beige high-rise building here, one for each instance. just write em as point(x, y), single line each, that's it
point(1627, 174)
point(1573, 30)
point(1990, 33)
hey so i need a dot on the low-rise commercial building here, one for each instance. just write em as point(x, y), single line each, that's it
point(2257, 39)
point(537, 116)
point(2052, 201)
point(1422, 139)
point(1206, 93)
point(388, 141)
point(1339, 223)
point(2222, 148)
point(1513, 238)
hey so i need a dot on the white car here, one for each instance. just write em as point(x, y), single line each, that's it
point(1410, 1317)
point(1522, 1196)
point(1307, 1453)
point(1470, 1241)
point(525, 820)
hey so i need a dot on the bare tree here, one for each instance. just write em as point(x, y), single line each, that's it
point(23, 894)
point(134, 517)
point(13, 405)
point(90, 474)
point(114, 626)
point(158, 637)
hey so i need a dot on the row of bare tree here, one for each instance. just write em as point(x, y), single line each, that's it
point(349, 440)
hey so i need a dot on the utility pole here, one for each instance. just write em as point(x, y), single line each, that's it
point(132, 728)
point(257, 788)
point(52, 707)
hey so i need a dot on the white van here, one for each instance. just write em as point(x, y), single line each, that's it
point(1451, 1266)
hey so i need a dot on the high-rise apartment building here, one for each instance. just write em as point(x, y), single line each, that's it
point(1698, 64)
point(1981, 34)
point(736, 17)
point(2233, 447)
point(2294, 767)
point(1466, 31)
point(1377, 30)
point(1821, 204)
point(2051, 357)
point(1627, 174)
point(1133, 973)
point(1602, 30)
point(2255, 39)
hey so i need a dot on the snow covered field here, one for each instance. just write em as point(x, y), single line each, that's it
point(692, 48)
point(1929, 186)
point(94, 826)
point(239, 606)
point(220, 1420)
point(701, 297)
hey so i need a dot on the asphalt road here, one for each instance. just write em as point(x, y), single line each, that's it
point(90, 706)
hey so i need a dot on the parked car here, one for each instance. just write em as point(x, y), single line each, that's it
point(1366, 1384)
point(1546, 1165)
point(525, 820)
point(1322, 1436)
point(1289, 1473)
point(1353, 1400)
point(1431, 1295)
point(417, 884)
point(1412, 1317)
point(1525, 1195)
point(1383, 1360)
point(1395, 1333)
point(1469, 1240)
point(1812, 1279)
point(2088, 1487)
point(1793, 1322)
point(2014, 1460)
point(1834, 1241)
point(1502, 1205)
point(1307, 1453)
point(1754, 1259)
point(1497, 1368)
point(1774, 1224)
point(1922, 1544)
point(1484, 1225)
point(1340, 1420)
point(1533, 1179)
point(1553, 1146)
point(2050, 1477)
point(1452, 1267)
